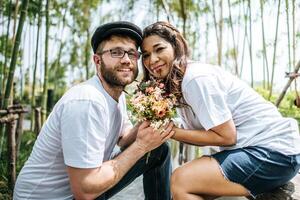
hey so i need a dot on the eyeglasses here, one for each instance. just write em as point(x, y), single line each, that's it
point(119, 53)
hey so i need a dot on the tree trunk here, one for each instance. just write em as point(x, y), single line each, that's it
point(265, 56)
point(206, 33)
point(19, 133)
point(38, 125)
point(15, 19)
point(57, 61)
point(245, 37)
point(274, 53)
point(45, 87)
point(220, 45)
point(294, 33)
point(35, 65)
point(286, 87)
point(6, 56)
point(250, 44)
point(87, 54)
point(15, 54)
point(233, 39)
point(288, 33)
point(2, 50)
point(11, 147)
point(218, 29)
point(183, 16)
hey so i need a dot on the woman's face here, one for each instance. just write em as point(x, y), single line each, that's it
point(158, 56)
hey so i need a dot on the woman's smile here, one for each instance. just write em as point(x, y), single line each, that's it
point(158, 56)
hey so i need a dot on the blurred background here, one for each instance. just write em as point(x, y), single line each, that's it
point(45, 49)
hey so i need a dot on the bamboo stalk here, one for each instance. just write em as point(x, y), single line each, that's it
point(19, 133)
point(45, 86)
point(37, 123)
point(286, 87)
point(233, 40)
point(265, 56)
point(15, 54)
point(11, 147)
point(274, 52)
point(35, 65)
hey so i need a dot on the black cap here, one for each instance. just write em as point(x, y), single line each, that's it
point(120, 27)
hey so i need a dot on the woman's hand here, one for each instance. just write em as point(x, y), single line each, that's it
point(148, 138)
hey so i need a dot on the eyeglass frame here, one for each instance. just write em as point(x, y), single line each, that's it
point(137, 53)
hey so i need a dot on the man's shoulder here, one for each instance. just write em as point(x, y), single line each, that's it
point(84, 92)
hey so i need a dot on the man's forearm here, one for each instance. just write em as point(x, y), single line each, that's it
point(128, 138)
point(112, 171)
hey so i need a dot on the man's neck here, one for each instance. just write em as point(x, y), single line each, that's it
point(114, 91)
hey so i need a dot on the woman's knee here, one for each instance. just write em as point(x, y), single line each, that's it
point(178, 179)
point(177, 184)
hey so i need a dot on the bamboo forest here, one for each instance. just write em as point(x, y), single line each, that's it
point(45, 49)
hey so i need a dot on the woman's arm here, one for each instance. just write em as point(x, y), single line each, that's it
point(221, 135)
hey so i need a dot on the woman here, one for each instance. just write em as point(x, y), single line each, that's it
point(259, 148)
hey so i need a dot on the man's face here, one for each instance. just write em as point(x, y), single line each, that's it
point(117, 71)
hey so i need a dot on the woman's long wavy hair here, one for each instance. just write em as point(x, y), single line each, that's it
point(174, 79)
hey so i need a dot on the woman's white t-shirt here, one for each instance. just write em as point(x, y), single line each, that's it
point(215, 96)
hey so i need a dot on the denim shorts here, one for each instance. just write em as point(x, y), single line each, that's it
point(258, 169)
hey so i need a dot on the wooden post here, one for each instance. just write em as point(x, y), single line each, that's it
point(19, 133)
point(11, 147)
point(38, 120)
point(286, 87)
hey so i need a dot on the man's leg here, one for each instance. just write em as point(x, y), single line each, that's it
point(157, 179)
point(157, 172)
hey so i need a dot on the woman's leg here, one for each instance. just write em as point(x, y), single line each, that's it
point(202, 179)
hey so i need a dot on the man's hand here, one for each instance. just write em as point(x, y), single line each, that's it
point(148, 138)
point(90, 183)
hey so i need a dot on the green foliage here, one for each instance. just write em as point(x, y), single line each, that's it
point(33, 10)
point(9, 45)
point(287, 107)
point(27, 142)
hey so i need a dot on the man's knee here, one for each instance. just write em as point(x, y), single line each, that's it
point(164, 151)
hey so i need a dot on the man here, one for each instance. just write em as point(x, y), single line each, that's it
point(72, 155)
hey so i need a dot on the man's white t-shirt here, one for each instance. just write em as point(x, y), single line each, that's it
point(215, 96)
point(81, 132)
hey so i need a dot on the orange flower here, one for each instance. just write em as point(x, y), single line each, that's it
point(160, 108)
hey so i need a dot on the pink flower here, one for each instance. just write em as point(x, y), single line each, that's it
point(149, 90)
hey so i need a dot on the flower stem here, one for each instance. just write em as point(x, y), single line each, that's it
point(148, 156)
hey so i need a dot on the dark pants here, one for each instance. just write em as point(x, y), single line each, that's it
point(156, 176)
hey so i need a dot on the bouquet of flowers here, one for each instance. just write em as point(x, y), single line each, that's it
point(151, 102)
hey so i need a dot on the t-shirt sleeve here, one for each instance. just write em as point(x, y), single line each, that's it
point(208, 101)
point(83, 134)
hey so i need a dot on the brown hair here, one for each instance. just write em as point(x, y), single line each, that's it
point(174, 79)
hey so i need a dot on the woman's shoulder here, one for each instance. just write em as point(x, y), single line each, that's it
point(196, 69)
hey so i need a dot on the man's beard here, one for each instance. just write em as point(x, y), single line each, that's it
point(111, 77)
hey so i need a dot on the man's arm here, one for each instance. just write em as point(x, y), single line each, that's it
point(91, 183)
point(128, 137)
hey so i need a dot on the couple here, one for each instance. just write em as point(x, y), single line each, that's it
point(72, 157)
